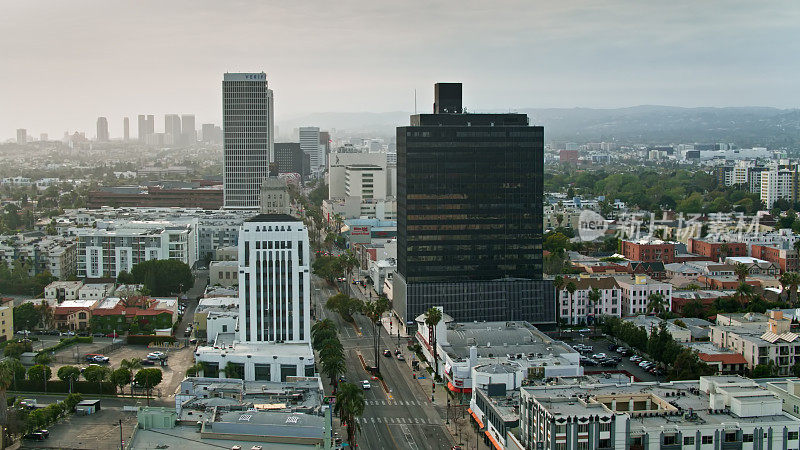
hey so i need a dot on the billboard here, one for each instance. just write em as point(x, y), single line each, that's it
point(360, 234)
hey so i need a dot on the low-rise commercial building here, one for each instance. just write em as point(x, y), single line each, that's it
point(223, 273)
point(463, 346)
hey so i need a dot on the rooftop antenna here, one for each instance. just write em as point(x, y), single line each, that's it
point(415, 101)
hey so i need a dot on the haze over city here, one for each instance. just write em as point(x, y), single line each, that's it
point(68, 62)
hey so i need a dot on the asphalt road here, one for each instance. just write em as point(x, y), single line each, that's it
point(403, 417)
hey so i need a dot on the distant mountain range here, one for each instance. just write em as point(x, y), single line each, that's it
point(744, 126)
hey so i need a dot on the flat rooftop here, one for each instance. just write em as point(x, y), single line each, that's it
point(657, 404)
point(500, 338)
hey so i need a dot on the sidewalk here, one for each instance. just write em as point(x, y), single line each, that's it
point(461, 426)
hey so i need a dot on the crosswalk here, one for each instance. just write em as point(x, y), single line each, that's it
point(393, 403)
point(399, 420)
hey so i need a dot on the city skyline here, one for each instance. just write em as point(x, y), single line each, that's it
point(582, 55)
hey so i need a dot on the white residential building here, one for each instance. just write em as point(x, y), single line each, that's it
point(117, 247)
point(776, 184)
point(636, 291)
point(577, 308)
point(248, 124)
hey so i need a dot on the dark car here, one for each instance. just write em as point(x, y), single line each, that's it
point(44, 432)
point(98, 334)
point(35, 436)
point(83, 334)
point(147, 362)
point(613, 347)
point(387, 353)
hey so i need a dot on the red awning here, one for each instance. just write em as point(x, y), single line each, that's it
point(457, 389)
point(480, 424)
point(494, 441)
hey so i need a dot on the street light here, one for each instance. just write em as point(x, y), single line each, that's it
point(121, 441)
point(447, 411)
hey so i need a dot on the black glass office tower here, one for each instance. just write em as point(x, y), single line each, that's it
point(469, 215)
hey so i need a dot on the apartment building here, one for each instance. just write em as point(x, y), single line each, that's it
point(577, 308)
point(712, 413)
point(649, 250)
point(760, 341)
point(637, 290)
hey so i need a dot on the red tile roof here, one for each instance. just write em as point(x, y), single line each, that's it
point(724, 358)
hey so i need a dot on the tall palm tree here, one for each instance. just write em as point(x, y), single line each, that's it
point(571, 288)
point(349, 407)
point(374, 311)
point(656, 304)
point(724, 251)
point(432, 318)
point(331, 357)
point(786, 282)
point(743, 292)
point(6, 378)
point(741, 272)
point(131, 364)
point(324, 329)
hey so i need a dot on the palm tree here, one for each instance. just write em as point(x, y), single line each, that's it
point(724, 252)
point(793, 279)
point(6, 378)
point(432, 318)
point(374, 311)
point(349, 407)
point(656, 304)
point(741, 272)
point(131, 364)
point(744, 291)
point(331, 357)
point(571, 287)
point(594, 298)
point(322, 330)
point(786, 282)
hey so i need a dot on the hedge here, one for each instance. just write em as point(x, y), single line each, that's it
point(144, 339)
point(66, 342)
point(58, 386)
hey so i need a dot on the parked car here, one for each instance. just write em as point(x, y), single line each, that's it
point(635, 358)
point(90, 356)
point(101, 359)
point(599, 356)
point(612, 347)
point(588, 362)
point(365, 384)
point(112, 335)
point(46, 433)
point(400, 357)
point(98, 334)
point(34, 436)
point(147, 362)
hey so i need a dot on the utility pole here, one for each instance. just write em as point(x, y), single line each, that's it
point(121, 441)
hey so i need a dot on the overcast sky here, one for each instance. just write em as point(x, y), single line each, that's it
point(66, 62)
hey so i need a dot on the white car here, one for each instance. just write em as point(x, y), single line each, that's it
point(365, 384)
point(635, 358)
point(644, 363)
point(599, 356)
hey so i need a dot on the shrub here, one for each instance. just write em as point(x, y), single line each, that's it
point(141, 339)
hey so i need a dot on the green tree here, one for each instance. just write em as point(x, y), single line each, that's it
point(39, 373)
point(763, 371)
point(234, 370)
point(26, 316)
point(374, 310)
point(162, 277)
point(741, 272)
point(349, 407)
point(121, 378)
point(16, 349)
point(148, 378)
point(65, 373)
point(571, 288)
point(321, 331)
point(7, 374)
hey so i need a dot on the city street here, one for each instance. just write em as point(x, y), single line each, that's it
point(403, 417)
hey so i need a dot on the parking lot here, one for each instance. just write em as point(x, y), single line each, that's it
point(97, 431)
point(600, 344)
point(174, 371)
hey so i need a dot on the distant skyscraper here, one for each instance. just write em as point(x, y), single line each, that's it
point(43, 137)
point(172, 129)
point(212, 134)
point(289, 157)
point(274, 280)
point(189, 129)
point(309, 142)
point(22, 136)
point(247, 123)
point(469, 215)
point(146, 126)
point(126, 129)
point(102, 129)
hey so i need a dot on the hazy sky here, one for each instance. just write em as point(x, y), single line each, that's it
point(66, 62)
